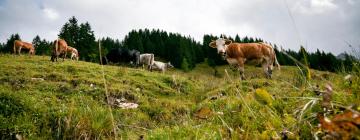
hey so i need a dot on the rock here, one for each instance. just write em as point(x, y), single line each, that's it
point(347, 77)
point(37, 79)
point(128, 105)
point(220, 113)
point(19, 137)
point(137, 89)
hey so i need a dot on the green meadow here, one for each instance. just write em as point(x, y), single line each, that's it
point(40, 99)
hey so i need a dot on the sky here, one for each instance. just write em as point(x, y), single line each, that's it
point(329, 25)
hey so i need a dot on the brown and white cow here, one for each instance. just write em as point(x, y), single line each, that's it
point(18, 45)
point(147, 59)
point(59, 49)
point(74, 53)
point(237, 54)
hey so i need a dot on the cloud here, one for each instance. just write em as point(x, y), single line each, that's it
point(323, 24)
point(50, 13)
point(315, 6)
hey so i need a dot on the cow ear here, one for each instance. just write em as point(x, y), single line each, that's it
point(212, 44)
point(228, 41)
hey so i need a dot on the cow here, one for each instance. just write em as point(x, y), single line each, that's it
point(117, 55)
point(236, 54)
point(18, 45)
point(74, 53)
point(59, 49)
point(161, 66)
point(147, 59)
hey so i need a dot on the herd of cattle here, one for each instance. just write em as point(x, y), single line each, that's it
point(116, 55)
point(236, 54)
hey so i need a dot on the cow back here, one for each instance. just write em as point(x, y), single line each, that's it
point(60, 46)
point(249, 51)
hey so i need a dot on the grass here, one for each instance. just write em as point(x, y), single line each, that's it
point(70, 101)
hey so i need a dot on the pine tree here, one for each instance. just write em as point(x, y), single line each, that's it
point(42, 47)
point(86, 44)
point(8, 48)
point(185, 65)
point(37, 44)
point(237, 38)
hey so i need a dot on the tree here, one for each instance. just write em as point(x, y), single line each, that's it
point(82, 38)
point(42, 47)
point(86, 44)
point(9, 46)
point(237, 38)
point(70, 32)
point(185, 65)
point(2, 46)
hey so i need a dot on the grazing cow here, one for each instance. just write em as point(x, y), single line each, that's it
point(236, 54)
point(147, 59)
point(59, 49)
point(18, 45)
point(117, 55)
point(74, 53)
point(161, 66)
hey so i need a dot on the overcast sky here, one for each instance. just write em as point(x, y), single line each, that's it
point(323, 24)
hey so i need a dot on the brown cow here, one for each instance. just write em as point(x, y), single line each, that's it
point(59, 49)
point(18, 45)
point(237, 54)
point(74, 53)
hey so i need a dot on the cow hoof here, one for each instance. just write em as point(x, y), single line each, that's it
point(268, 76)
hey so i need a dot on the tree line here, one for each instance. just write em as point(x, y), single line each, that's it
point(182, 51)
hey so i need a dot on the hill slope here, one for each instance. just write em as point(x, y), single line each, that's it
point(44, 100)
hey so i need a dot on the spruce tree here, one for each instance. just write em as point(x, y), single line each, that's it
point(9, 46)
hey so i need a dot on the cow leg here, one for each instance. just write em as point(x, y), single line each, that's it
point(241, 68)
point(15, 50)
point(19, 50)
point(57, 56)
point(64, 56)
point(270, 69)
point(267, 71)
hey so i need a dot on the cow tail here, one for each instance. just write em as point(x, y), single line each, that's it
point(151, 61)
point(56, 46)
point(77, 55)
point(14, 48)
point(276, 62)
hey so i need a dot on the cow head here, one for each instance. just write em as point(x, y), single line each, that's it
point(220, 44)
point(32, 51)
point(136, 56)
point(169, 65)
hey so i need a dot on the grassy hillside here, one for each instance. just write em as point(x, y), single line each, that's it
point(67, 100)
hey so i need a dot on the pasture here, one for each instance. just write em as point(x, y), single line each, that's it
point(40, 99)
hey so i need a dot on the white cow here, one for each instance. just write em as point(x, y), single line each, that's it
point(147, 59)
point(161, 66)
